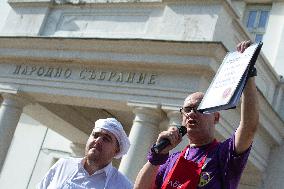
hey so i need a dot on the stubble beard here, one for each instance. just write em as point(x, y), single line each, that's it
point(92, 156)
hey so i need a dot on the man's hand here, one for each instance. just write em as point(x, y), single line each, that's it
point(173, 135)
point(241, 47)
point(146, 176)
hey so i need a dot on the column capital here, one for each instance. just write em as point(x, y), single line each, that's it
point(144, 105)
point(150, 113)
point(173, 115)
point(14, 100)
point(143, 134)
point(167, 108)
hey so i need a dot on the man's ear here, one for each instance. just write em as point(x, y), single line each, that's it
point(216, 117)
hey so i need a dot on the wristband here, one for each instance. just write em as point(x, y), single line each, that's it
point(252, 72)
point(157, 159)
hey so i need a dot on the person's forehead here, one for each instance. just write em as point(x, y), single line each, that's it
point(193, 99)
point(104, 132)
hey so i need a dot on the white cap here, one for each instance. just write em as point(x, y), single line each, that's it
point(115, 127)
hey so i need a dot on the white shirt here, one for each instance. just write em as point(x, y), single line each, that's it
point(70, 174)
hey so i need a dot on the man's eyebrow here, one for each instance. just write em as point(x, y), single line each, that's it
point(108, 136)
point(101, 133)
point(104, 134)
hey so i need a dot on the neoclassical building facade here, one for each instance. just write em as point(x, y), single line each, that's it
point(66, 63)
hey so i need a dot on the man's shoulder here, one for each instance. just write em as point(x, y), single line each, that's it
point(227, 148)
point(71, 159)
point(68, 160)
point(68, 163)
point(227, 141)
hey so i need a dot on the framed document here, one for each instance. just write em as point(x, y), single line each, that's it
point(227, 86)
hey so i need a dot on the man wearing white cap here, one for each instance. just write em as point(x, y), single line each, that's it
point(108, 140)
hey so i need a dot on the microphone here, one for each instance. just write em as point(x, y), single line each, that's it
point(157, 148)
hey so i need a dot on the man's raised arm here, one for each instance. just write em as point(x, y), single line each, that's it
point(249, 112)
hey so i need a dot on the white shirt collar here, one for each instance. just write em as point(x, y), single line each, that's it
point(106, 169)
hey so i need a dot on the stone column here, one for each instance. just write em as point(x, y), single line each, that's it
point(143, 134)
point(175, 119)
point(10, 112)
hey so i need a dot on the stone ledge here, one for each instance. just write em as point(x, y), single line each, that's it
point(75, 2)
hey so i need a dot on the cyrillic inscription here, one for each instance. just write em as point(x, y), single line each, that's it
point(86, 74)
